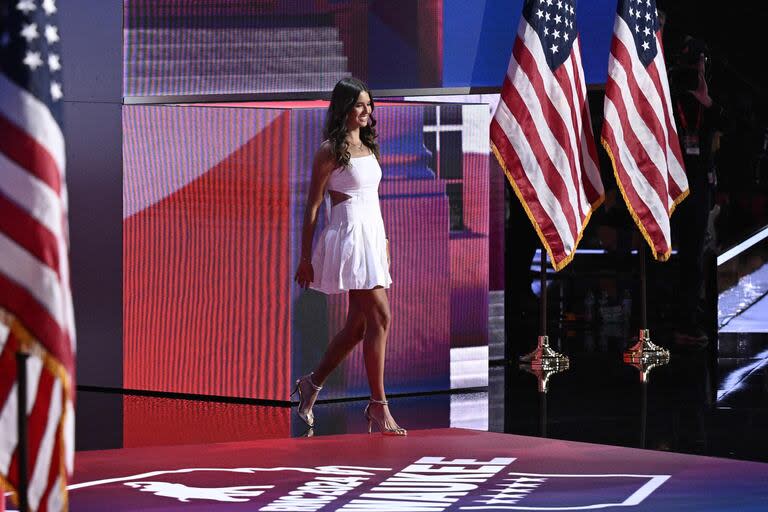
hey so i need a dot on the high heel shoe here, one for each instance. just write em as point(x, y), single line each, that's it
point(304, 412)
point(386, 431)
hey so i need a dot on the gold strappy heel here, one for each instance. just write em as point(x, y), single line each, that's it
point(397, 431)
point(305, 413)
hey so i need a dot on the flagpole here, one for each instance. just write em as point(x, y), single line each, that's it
point(645, 350)
point(543, 356)
point(543, 294)
point(644, 364)
point(643, 289)
point(643, 412)
point(543, 374)
point(21, 427)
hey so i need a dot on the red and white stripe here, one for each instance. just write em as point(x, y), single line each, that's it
point(36, 309)
point(542, 135)
point(640, 136)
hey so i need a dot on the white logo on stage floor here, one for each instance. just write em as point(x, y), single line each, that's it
point(432, 482)
point(184, 493)
point(522, 485)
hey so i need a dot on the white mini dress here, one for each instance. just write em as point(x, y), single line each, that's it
point(351, 250)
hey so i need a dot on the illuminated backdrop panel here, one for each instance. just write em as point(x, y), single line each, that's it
point(213, 206)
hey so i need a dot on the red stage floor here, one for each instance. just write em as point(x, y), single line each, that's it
point(430, 470)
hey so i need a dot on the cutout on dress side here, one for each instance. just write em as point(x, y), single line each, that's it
point(338, 197)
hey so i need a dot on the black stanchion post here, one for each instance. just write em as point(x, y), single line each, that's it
point(644, 355)
point(644, 348)
point(543, 413)
point(543, 356)
point(643, 411)
point(21, 425)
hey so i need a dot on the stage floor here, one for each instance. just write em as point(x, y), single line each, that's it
point(429, 470)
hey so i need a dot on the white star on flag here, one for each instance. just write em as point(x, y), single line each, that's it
point(646, 45)
point(33, 60)
point(29, 32)
point(56, 93)
point(54, 64)
point(49, 7)
point(26, 6)
point(51, 34)
point(554, 48)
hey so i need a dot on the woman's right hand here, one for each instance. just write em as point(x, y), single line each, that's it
point(305, 274)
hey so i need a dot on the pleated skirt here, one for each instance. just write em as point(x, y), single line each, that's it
point(351, 250)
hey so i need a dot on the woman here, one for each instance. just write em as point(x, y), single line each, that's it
point(352, 253)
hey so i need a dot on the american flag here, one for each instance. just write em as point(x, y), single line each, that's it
point(541, 132)
point(36, 312)
point(639, 130)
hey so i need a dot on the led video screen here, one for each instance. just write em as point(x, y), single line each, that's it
point(212, 215)
point(176, 47)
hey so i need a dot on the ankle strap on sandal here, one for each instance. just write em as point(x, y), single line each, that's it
point(309, 378)
point(382, 402)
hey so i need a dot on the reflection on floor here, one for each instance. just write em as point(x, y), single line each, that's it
point(695, 404)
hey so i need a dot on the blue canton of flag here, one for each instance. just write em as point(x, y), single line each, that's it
point(642, 18)
point(555, 23)
point(30, 50)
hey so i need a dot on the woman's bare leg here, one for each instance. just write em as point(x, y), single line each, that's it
point(375, 306)
point(344, 341)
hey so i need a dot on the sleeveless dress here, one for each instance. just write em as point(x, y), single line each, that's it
point(351, 250)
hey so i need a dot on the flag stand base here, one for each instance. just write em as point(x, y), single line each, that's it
point(646, 362)
point(646, 352)
point(544, 357)
point(544, 372)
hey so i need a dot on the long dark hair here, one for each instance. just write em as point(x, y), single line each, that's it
point(343, 99)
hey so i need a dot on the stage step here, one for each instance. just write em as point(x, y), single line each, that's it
point(239, 66)
point(285, 82)
point(232, 60)
point(245, 35)
point(181, 51)
point(741, 345)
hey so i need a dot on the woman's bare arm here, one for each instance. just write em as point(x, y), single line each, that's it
point(322, 166)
